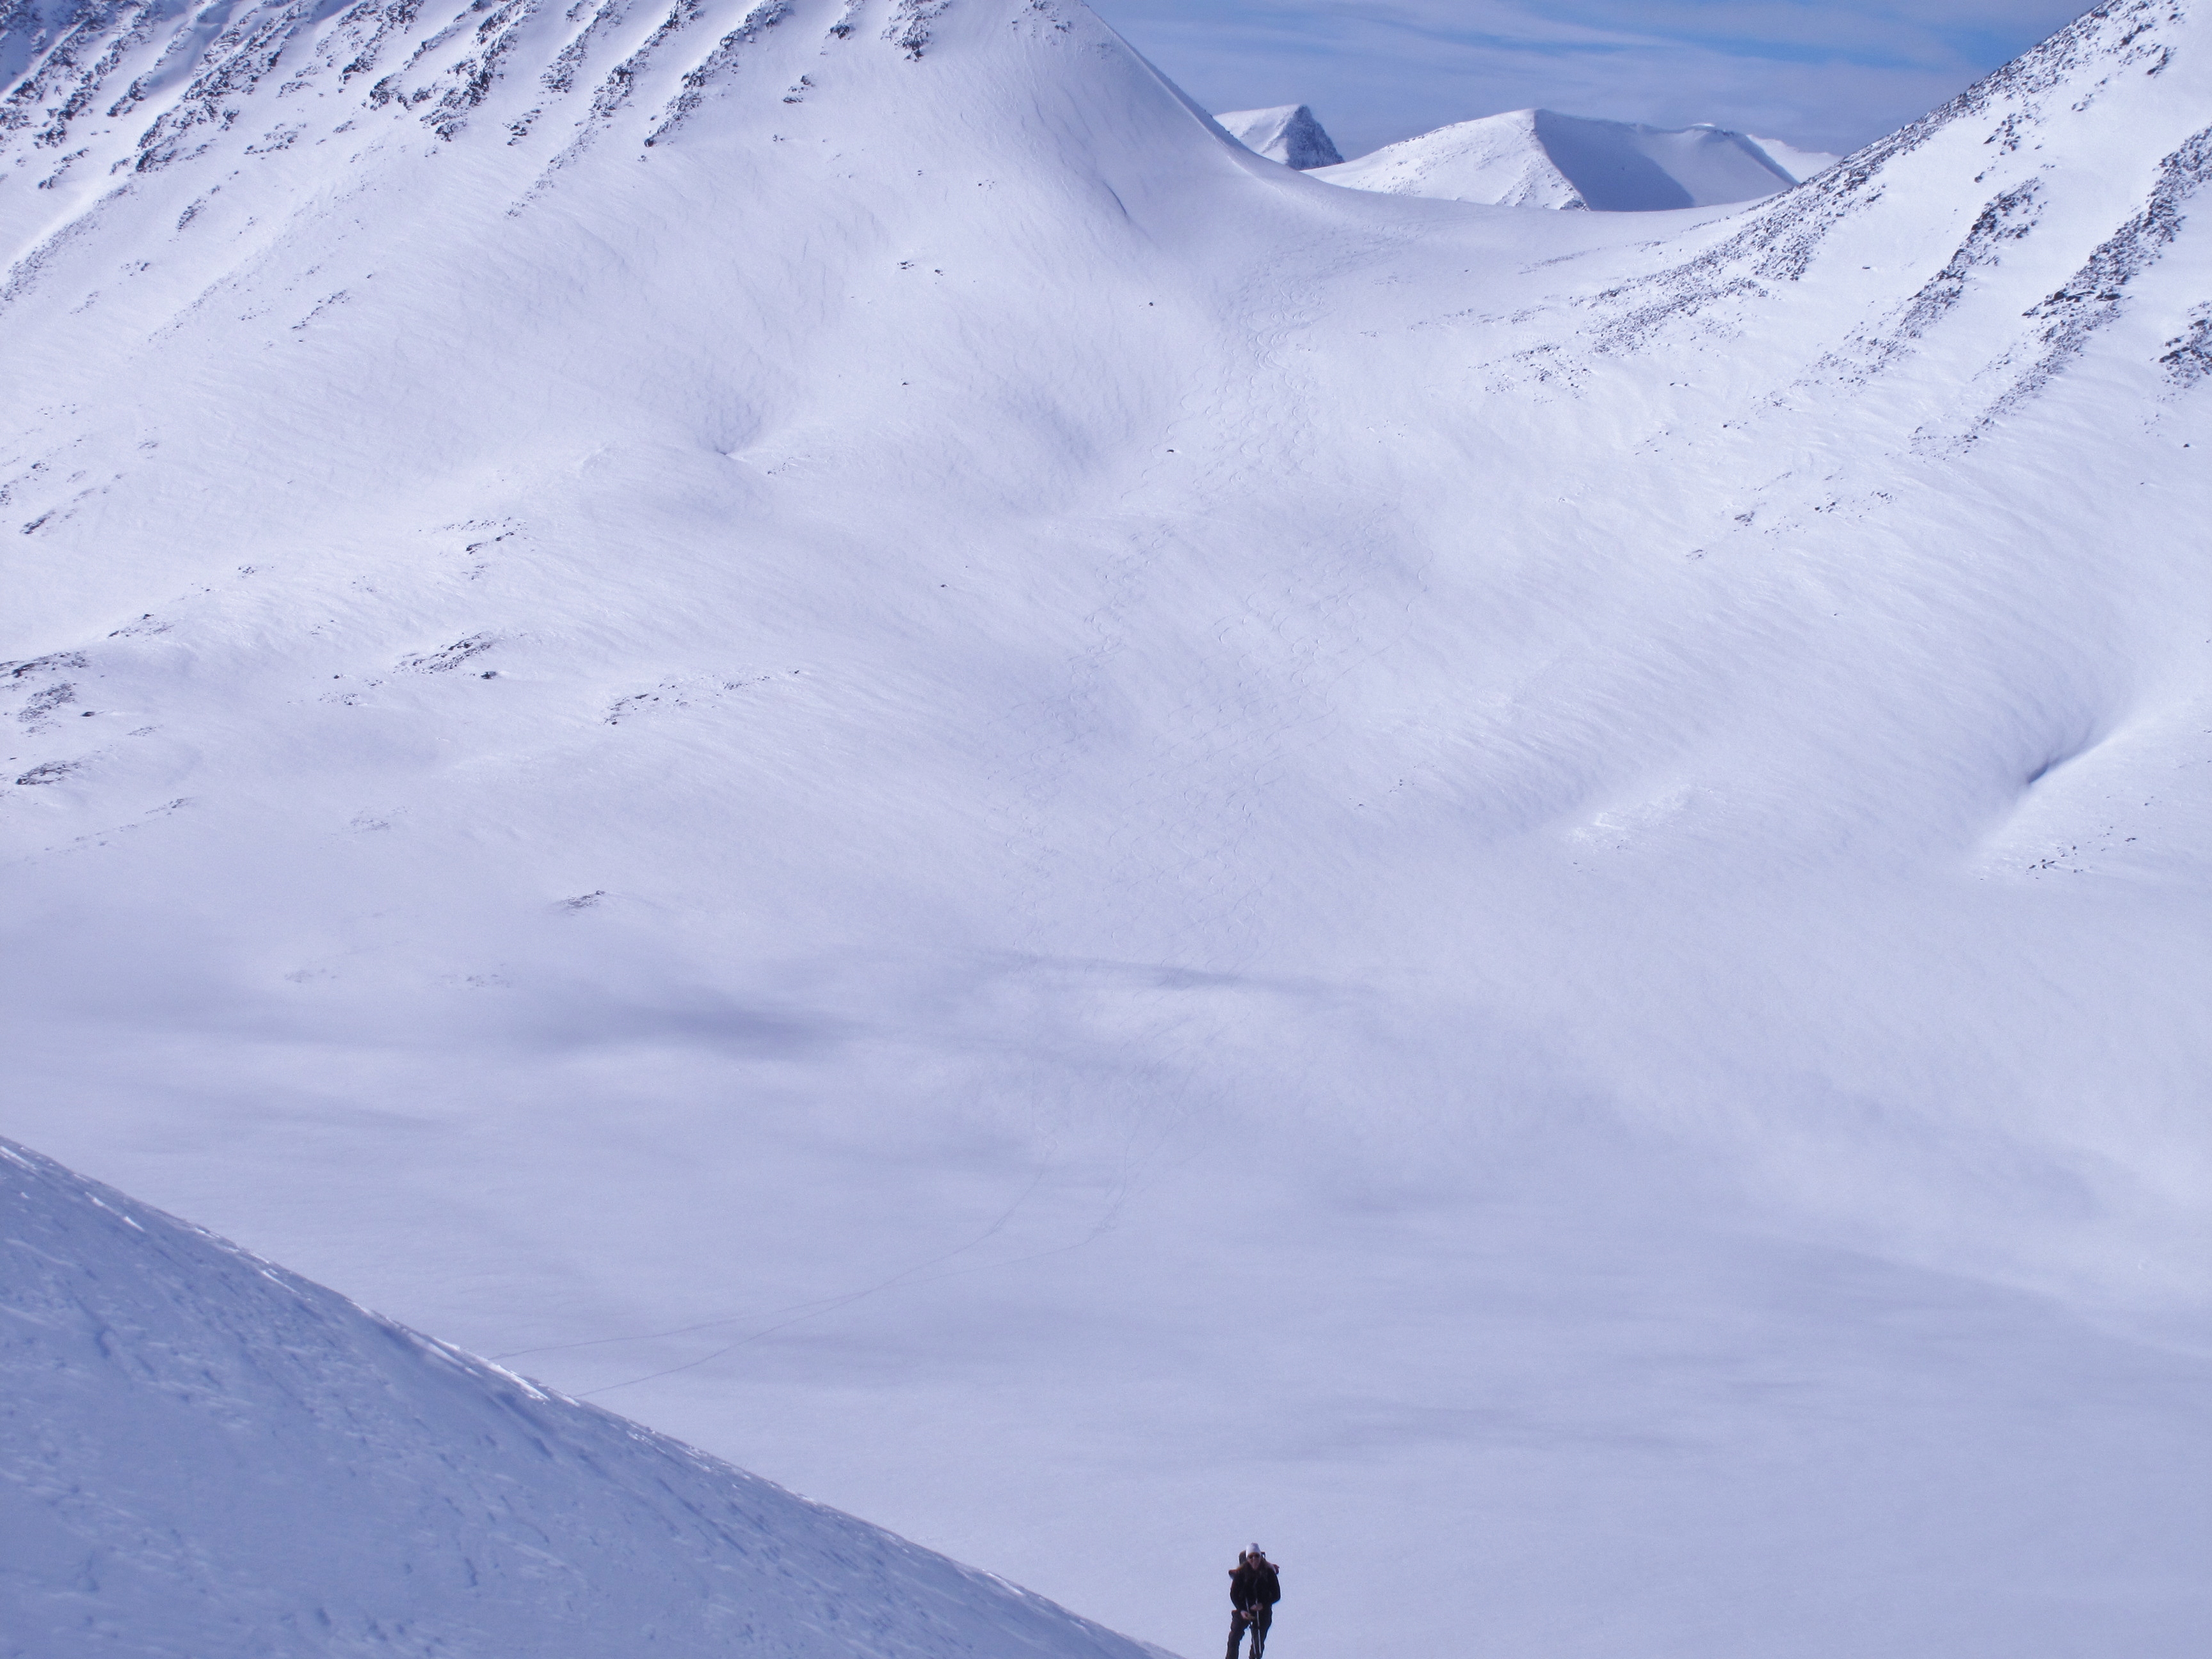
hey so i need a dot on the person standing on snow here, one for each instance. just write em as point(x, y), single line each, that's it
point(1253, 1589)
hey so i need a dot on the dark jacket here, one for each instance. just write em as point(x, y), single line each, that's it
point(1254, 1584)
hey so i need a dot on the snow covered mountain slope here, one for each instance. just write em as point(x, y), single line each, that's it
point(1100, 852)
point(1799, 164)
point(1290, 134)
point(1537, 158)
point(205, 1455)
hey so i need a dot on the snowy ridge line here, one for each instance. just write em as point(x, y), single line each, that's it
point(136, 1215)
point(1539, 158)
point(330, 1480)
point(1779, 237)
point(1289, 133)
point(1770, 248)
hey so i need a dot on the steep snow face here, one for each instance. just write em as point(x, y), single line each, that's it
point(1289, 134)
point(1799, 164)
point(1100, 852)
point(201, 1454)
point(1535, 158)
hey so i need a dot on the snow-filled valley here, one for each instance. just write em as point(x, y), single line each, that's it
point(806, 717)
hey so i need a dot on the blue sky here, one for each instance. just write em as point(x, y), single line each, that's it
point(1825, 74)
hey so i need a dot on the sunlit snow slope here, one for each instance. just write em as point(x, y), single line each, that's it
point(1539, 158)
point(813, 720)
point(205, 1455)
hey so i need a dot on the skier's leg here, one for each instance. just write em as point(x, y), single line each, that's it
point(1235, 1632)
point(1262, 1616)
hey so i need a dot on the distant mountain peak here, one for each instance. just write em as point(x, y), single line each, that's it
point(1289, 133)
point(1541, 158)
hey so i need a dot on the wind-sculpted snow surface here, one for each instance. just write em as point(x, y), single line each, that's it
point(203, 1454)
point(808, 715)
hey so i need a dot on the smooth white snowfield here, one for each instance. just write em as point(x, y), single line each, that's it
point(1160, 855)
point(208, 1456)
point(1539, 158)
point(1289, 133)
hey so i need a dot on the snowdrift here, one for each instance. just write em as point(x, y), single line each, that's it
point(202, 1454)
point(1537, 158)
point(811, 717)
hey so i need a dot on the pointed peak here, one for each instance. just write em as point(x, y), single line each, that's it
point(1289, 133)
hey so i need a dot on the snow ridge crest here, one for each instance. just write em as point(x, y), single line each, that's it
point(259, 1463)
